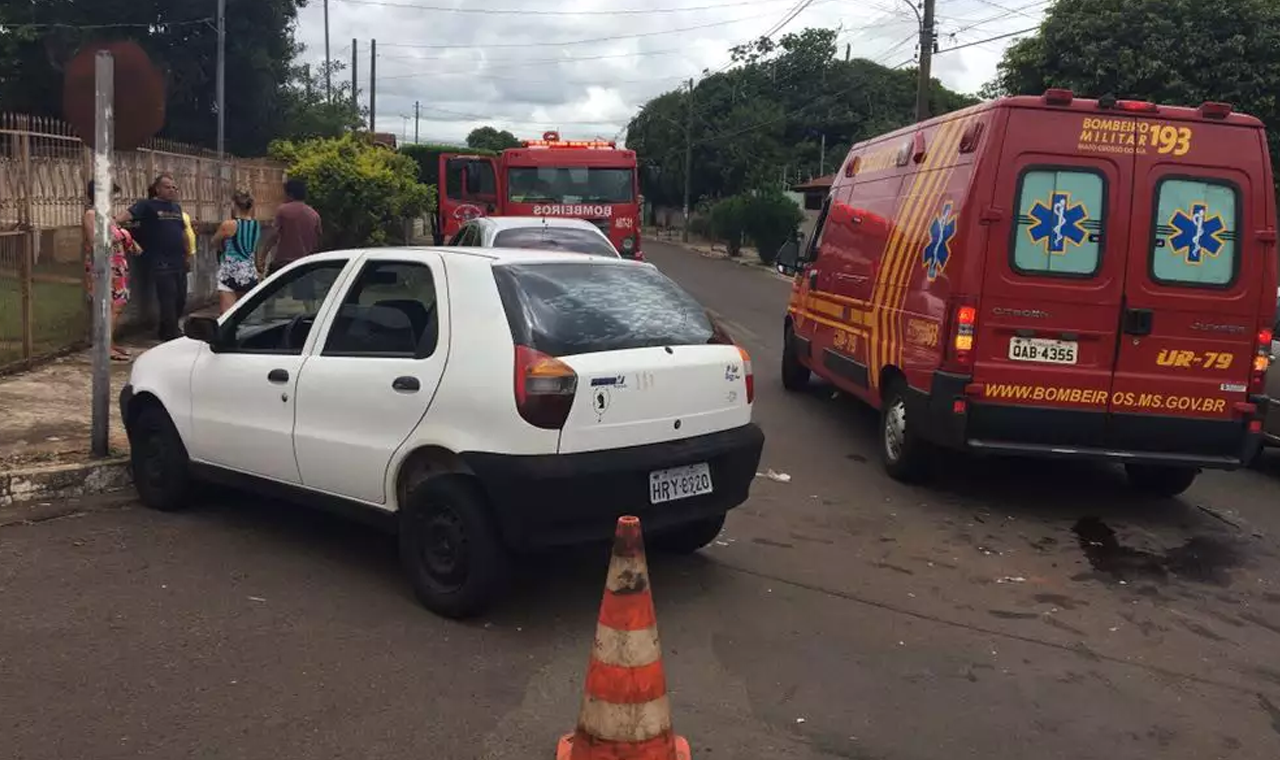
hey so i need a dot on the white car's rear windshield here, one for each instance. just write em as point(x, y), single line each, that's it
point(555, 239)
point(562, 309)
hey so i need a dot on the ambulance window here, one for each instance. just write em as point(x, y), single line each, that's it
point(1195, 233)
point(815, 238)
point(1060, 218)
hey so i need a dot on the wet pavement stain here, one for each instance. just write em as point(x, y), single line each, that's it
point(1059, 600)
point(1257, 619)
point(1201, 558)
point(1056, 623)
point(771, 542)
point(1200, 630)
point(856, 458)
point(1272, 711)
point(1006, 615)
point(895, 568)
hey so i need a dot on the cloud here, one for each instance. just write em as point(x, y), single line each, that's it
point(586, 67)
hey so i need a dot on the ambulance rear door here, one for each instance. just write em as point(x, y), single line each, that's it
point(1195, 281)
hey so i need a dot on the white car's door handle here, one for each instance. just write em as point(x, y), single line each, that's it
point(406, 384)
point(278, 376)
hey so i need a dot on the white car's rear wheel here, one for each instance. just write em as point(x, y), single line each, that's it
point(449, 547)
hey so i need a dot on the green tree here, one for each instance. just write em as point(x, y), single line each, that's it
point(488, 138)
point(181, 40)
point(361, 190)
point(772, 219)
point(310, 114)
point(728, 222)
point(764, 119)
point(1177, 52)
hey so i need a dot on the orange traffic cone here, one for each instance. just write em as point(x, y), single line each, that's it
point(625, 713)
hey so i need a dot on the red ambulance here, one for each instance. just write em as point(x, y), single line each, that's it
point(1049, 276)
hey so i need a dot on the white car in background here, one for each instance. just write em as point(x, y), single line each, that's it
point(537, 232)
point(479, 401)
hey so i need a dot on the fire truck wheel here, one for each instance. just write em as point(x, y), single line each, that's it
point(795, 376)
point(1160, 480)
point(901, 449)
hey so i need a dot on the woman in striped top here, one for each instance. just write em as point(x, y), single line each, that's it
point(236, 241)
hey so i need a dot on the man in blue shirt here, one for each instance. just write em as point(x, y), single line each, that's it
point(162, 234)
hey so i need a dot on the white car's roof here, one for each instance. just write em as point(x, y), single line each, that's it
point(494, 255)
point(499, 223)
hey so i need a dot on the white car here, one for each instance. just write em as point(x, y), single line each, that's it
point(544, 233)
point(480, 401)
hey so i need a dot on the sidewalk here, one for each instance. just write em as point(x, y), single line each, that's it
point(44, 435)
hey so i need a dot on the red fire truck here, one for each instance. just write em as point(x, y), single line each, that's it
point(592, 180)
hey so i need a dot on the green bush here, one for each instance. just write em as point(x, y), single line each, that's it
point(728, 219)
point(771, 220)
point(363, 192)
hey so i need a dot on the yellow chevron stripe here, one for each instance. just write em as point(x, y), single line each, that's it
point(935, 186)
point(828, 322)
point(908, 213)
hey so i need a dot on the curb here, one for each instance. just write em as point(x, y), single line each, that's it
point(742, 262)
point(63, 481)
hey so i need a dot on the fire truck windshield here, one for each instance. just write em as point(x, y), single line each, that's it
point(578, 184)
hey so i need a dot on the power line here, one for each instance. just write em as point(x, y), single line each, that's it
point(143, 25)
point(1000, 17)
point(524, 12)
point(562, 43)
point(989, 39)
point(514, 120)
point(1010, 11)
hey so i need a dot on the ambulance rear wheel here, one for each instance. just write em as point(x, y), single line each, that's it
point(901, 449)
point(795, 376)
point(1160, 480)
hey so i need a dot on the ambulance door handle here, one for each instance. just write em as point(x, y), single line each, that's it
point(1137, 321)
point(813, 278)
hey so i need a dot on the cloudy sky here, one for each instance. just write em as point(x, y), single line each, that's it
point(586, 66)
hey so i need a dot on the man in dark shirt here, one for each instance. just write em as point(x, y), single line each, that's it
point(296, 232)
point(162, 234)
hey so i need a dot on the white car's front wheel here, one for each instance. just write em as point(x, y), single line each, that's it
point(161, 469)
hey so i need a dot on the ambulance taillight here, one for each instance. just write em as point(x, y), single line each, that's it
point(960, 337)
point(1261, 361)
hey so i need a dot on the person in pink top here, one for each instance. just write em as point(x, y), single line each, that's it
point(122, 244)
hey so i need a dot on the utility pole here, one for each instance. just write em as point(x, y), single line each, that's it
point(328, 63)
point(417, 115)
point(373, 86)
point(688, 162)
point(355, 82)
point(848, 48)
point(221, 86)
point(822, 157)
point(926, 61)
point(104, 137)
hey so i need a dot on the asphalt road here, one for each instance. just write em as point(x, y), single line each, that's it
point(1008, 609)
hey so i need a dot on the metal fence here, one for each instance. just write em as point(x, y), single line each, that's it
point(44, 173)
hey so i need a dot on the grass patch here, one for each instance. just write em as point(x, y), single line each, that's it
point(60, 317)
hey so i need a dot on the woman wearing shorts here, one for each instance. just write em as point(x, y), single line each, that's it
point(122, 244)
point(236, 241)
